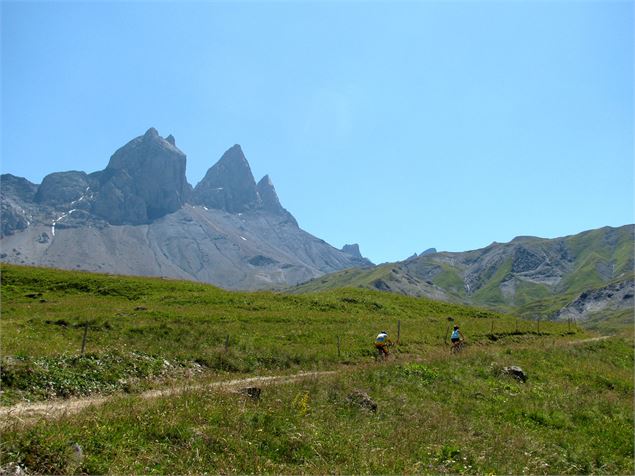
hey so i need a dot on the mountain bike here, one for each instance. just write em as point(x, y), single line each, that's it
point(383, 353)
point(457, 347)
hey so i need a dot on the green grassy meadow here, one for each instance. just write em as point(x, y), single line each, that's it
point(436, 412)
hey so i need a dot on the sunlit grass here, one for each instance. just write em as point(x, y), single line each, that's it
point(443, 414)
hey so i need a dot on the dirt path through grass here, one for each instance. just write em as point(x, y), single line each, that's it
point(32, 412)
point(592, 339)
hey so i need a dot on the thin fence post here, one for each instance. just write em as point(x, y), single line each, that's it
point(398, 330)
point(538, 323)
point(569, 324)
point(84, 338)
point(338, 347)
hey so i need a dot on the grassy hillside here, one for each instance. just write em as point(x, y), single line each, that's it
point(141, 328)
point(436, 412)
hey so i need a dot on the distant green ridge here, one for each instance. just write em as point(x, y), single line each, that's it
point(529, 275)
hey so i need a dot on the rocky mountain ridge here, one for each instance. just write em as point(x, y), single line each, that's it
point(552, 278)
point(140, 216)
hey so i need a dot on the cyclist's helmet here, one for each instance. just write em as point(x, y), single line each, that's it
point(456, 327)
point(384, 332)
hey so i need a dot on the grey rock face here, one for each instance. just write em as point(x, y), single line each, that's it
point(13, 219)
point(62, 187)
point(16, 194)
point(144, 180)
point(228, 185)
point(17, 187)
point(268, 195)
point(524, 260)
point(352, 250)
point(253, 251)
point(118, 202)
point(615, 296)
point(269, 199)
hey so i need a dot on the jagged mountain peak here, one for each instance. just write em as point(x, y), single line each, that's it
point(229, 184)
point(150, 134)
point(234, 153)
point(141, 150)
point(144, 180)
point(266, 181)
point(268, 195)
point(72, 220)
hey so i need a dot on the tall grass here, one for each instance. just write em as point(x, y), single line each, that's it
point(443, 414)
point(185, 324)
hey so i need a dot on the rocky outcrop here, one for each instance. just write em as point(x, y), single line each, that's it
point(16, 194)
point(525, 260)
point(143, 181)
point(352, 250)
point(17, 187)
point(229, 184)
point(62, 187)
point(13, 219)
point(614, 297)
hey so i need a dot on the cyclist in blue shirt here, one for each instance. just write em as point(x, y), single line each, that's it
point(457, 337)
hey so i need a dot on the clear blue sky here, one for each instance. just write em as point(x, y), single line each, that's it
point(400, 126)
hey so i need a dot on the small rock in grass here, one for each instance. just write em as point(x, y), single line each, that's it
point(515, 372)
point(12, 469)
point(251, 392)
point(363, 400)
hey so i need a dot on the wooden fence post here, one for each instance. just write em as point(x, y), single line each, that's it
point(84, 338)
point(398, 331)
point(338, 347)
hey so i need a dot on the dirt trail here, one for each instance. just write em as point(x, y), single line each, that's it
point(592, 339)
point(32, 412)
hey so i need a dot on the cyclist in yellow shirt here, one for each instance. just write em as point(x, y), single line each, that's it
point(382, 342)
